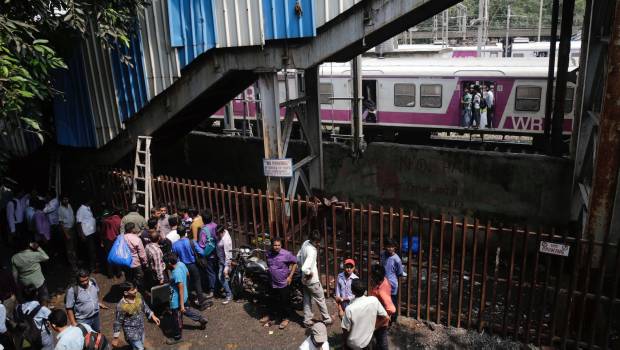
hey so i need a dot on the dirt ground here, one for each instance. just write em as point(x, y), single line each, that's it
point(236, 326)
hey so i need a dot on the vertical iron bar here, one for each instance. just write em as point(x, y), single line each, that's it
point(440, 268)
point(483, 295)
point(429, 269)
point(452, 249)
point(521, 281)
point(462, 273)
point(532, 289)
point(571, 291)
point(326, 254)
point(369, 256)
point(509, 282)
point(335, 246)
point(472, 281)
point(401, 226)
point(419, 267)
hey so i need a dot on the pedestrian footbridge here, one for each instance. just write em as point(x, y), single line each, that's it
point(190, 57)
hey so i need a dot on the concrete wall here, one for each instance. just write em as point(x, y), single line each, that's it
point(495, 185)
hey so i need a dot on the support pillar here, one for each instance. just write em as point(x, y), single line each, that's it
point(272, 135)
point(356, 106)
point(229, 116)
point(557, 124)
point(313, 123)
point(551, 71)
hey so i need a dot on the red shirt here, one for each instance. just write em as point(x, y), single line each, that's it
point(383, 292)
point(111, 227)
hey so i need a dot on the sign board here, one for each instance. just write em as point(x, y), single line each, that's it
point(278, 167)
point(554, 248)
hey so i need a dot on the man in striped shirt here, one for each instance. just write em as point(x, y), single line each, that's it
point(155, 257)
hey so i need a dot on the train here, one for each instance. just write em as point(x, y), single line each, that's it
point(425, 93)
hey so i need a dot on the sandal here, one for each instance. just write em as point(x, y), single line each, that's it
point(268, 324)
point(283, 324)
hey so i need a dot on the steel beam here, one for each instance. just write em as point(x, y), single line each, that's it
point(607, 163)
point(551, 72)
point(312, 127)
point(356, 106)
point(557, 124)
point(272, 135)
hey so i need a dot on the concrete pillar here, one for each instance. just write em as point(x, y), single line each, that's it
point(314, 137)
point(272, 135)
point(356, 106)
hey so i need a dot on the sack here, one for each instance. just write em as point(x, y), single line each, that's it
point(27, 328)
point(120, 254)
point(93, 340)
point(206, 240)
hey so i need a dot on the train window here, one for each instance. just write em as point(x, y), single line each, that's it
point(404, 95)
point(528, 98)
point(326, 93)
point(517, 55)
point(430, 95)
point(568, 101)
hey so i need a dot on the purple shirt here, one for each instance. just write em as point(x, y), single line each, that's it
point(279, 267)
point(42, 224)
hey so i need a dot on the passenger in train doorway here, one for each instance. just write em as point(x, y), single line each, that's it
point(477, 98)
point(489, 97)
point(466, 102)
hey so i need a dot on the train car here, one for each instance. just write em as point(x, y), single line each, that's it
point(541, 49)
point(426, 93)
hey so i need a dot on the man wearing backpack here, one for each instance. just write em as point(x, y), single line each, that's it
point(30, 317)
point(74, 337)
point(82, 301)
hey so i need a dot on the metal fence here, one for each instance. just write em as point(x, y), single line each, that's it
point(504, 279)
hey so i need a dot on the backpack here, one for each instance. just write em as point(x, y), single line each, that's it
point(206, 239)
point(27, 328)
point(93, 340)
point(483, 102)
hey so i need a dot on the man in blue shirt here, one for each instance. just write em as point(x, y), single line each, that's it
point(393, 270)
point(185, 250)
point(178, 298)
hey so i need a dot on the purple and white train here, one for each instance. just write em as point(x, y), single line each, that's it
point(425, 93)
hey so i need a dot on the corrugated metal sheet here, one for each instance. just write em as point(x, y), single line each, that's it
point(238, 23)
point(282, 20)
point(131, 92)
point(326, 10)
point(72, 110)
point(192, 28)
point(18, 142)
point(100, 84)
point(161, 63)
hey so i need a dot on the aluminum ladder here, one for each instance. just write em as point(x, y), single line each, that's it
point(142, 181)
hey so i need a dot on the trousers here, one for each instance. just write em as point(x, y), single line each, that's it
point(314, 292)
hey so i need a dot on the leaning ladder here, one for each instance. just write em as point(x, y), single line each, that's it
point(142, 191)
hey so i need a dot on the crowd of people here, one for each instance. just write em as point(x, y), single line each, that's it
point(186, 254)
point(478, 106)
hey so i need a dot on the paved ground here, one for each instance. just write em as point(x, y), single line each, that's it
point(236, 326)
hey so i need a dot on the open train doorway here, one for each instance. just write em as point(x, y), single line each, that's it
point(487, 119)
point(369, 103)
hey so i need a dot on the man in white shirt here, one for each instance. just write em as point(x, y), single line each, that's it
point(69, 337)
point(66, 220)
point(317, 339)
point(360, 317)
point(173, 235)
point(313, 291)
point(87, 225)
point(15, 214)
point(490, 100)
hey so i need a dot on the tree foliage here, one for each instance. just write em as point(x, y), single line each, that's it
point(35, 35)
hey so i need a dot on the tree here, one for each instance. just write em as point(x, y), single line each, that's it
point(34, 36)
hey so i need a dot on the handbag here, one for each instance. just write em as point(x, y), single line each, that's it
point(120, 254)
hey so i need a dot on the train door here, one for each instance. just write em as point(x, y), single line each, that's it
point(479, 85)
point(369, 102)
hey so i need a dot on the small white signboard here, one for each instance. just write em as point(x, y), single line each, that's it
point(278, 167)
point(554, 248)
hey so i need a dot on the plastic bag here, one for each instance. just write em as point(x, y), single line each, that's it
point(120, 254)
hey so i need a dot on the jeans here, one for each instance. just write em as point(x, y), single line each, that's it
point(93, 322)
point(136, 344)
point(212, 267)
point(466, 117)
point(194, 281)
point(314, 292)
point(281, 302)
point(192, 314)
point(381, 338)
point(395, 302)
point(490, 115)
point(91, 257)
point(224, 282)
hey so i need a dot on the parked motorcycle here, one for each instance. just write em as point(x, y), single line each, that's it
point(250, 275)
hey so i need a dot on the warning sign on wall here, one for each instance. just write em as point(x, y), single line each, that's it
point(278, 167)
point(554, 248)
